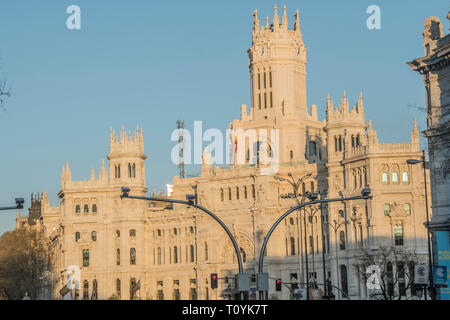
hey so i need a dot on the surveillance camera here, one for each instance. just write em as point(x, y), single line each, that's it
point(125, 190)
point(365, 192)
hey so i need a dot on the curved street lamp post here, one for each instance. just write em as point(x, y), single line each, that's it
point(191, 203)
point(365, 195)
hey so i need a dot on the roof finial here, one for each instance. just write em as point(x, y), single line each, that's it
point(285, 19)
point(276, 20)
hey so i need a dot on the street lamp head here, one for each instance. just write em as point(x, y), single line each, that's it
point(413, 161)
point(366, 192)
point(20, 202)
point(190, 198)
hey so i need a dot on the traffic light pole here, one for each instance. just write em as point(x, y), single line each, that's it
point(299, 206)
point(192, 204)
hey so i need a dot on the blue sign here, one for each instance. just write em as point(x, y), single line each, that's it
point(443, 253)
point(440, 275)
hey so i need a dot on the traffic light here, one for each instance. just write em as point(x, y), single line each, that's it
point(278, 285)
point(214, 280)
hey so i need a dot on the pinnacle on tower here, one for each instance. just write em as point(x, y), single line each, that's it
point(255, 20)
point(360, 104)
point(284, 19)
point(276, 19)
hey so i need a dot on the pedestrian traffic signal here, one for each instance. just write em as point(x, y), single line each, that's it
point(278, 285)
point(214, 280)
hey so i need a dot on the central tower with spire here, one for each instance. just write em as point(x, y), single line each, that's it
point(277, 62)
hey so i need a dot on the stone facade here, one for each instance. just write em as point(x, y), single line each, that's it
point(172, 250)
point(435, 67)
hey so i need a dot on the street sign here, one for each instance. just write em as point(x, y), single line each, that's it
point(440, 275)
point(421, 274)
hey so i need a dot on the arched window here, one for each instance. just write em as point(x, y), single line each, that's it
point(292, 239)
point(118, 291)
point(405, 176)
point(229, 193)
point(132, 232)
point(291, 221)
point(85, 290)
point(387, 209)
point(342, 240)
point(407, 208)
point(129, 170)
point(192, 253)
point(175, 254)
point(159, 256)
point(253, 191)
point(358, 140)
point(312, 186)
point(245, 192)
point(77, 236)
point(340, 143)
point(353, 141)
point(335, 144)
point(94, 235)
point(94, 208)
point(312, 148)
point(77, 208)
point(133, 170)
point(132, 256)
point(118, 233)
point(384, 177)
point(221, 194)
point(86, 208)
point(118, 256)
point(237, 193)
point(175, 231)
point(394, 176)
point(291, 155)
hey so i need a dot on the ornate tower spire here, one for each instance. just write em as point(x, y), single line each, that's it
point(276, 19)
point(360, 104)
point(255, 21)
point(297, 22)
point(284, 20)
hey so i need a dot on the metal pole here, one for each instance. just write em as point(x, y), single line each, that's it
point(430, 261)
point(312, 245)
point(306, 256)
point(337, 263)
point(323, 256)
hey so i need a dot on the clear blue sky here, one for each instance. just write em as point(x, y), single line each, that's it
point(147, 62)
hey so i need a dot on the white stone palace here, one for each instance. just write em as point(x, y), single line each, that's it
point(172, 250)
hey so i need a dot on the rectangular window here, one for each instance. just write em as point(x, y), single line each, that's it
point(398, 235)
point(265, 100)
point(270, 79)
point(271, 103)
point(384, 177)
point(259, 100)
point(259, 81)
point(264, 80)
point(405, 177)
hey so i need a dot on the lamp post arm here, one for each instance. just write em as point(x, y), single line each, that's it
point(267, 237)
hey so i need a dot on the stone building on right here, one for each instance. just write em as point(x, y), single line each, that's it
point(435, 67)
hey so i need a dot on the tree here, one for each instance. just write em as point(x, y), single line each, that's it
point(396, 269)
point(22, 263)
